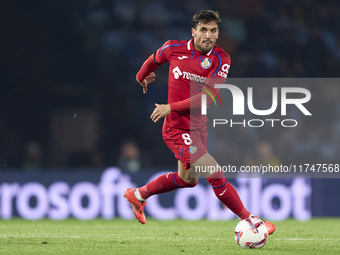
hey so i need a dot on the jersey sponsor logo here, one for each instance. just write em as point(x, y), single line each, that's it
point(225, 71)
point(192, 149)
point(177, 72)
point(183, 57)
point(206, 63)
point(186, 75)
point(193, 77)
point(225, 68)
point(222, 74)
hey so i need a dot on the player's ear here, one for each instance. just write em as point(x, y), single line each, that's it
point(193, 32)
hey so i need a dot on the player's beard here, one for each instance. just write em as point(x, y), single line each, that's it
point(204, 49)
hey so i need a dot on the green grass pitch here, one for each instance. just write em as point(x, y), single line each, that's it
point(17, 236)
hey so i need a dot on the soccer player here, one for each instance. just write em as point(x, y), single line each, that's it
point(194, 64)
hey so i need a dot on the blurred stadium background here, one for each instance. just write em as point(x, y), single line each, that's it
point(70, 108)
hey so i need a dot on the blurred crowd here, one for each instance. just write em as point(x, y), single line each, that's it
point(68, 93)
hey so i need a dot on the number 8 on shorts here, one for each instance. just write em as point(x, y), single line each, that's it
point(187, 139)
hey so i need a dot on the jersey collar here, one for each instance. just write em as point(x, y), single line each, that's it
point(190, 45)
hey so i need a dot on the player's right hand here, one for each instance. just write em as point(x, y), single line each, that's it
point(148, 79)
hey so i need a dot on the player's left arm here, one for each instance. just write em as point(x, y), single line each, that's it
point(161, 111)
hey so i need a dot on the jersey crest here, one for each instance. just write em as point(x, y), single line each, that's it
point(205, 63)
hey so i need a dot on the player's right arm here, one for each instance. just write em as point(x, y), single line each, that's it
point(146, 74)
point(148, 79)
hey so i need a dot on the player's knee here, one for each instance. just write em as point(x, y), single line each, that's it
point(185, 182)
point(192, 182)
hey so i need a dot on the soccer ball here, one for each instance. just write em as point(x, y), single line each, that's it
point(251, 233)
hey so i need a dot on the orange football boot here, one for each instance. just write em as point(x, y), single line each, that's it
point(137, 206)
point(270, 226)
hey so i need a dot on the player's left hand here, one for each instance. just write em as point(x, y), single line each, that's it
point(160, 111)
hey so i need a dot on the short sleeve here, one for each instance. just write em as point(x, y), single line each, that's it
point(221, 66)
point(162, 55)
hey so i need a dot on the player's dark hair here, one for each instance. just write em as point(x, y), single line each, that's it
point(205, 16)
